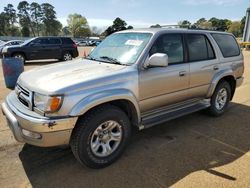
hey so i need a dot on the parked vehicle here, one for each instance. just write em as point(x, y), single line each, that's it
point(82, 43)
point(137, 78)
point(62, 48)
point(10, 43)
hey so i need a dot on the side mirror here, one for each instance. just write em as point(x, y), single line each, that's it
point(157, 60)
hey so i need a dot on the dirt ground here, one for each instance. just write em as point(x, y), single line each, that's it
point(192, 151)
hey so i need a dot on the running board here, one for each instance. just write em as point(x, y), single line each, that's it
point(153, 119)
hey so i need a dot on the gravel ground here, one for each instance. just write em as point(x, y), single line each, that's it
point(192, 151)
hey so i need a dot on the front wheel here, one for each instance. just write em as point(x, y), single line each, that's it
point(19, 56)
point(220, 99)
point(100, 137)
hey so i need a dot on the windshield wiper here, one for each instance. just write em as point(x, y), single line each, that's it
point(112, 60)
point(90, 58)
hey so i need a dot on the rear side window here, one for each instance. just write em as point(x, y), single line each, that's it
point(54, 41)
point(67, 41)
point(227, 44)
point(199, 48)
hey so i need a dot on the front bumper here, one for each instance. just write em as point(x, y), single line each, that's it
point(54, 132)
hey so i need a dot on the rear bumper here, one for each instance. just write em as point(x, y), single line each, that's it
point(53, 132)
point(239, 81)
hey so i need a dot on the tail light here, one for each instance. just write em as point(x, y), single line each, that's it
point(74, 45)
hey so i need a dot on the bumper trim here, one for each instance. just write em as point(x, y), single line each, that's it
point(12, 123)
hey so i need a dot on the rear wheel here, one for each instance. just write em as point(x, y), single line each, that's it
point(19, 56)
point(101, 136)
point(66, 56)
point(220, 99)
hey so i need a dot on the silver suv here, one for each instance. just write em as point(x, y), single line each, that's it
point(134, 78)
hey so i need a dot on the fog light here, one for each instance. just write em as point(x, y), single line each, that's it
point(31, 134)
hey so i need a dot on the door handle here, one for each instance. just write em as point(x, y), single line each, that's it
point(216, 67)
point(182, 73)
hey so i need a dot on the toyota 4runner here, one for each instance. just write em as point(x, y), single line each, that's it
point(134, 78)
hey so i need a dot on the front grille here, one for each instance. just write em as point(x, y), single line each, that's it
point(24, 96)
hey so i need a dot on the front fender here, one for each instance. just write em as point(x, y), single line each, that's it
point(217, 77)
point(103, 97)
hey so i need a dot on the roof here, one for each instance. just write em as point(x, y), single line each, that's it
point(165, 30)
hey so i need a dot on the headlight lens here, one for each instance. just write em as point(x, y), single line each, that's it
point(48, 104)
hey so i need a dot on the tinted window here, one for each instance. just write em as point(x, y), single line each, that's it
point(54, 41)
point(199, 48)
point(227, 45)
point(42, 41)
point(67, 41)
point(170, 44)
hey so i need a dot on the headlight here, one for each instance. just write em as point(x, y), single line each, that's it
point(5, 49)
point(48, 104)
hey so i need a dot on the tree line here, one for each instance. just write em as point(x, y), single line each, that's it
point(235, 27)
point(30, 20)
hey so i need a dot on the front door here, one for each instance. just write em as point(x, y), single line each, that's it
point(162, 86)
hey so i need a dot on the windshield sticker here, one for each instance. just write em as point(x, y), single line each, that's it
point(134, 42)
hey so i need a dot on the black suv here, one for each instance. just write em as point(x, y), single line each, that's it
point(62, 48)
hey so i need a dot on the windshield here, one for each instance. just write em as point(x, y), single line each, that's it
point(27, 41)
point(122, 48)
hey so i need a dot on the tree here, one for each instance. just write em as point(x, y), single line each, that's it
point(130, 27)
point(184, 24)
point(36, 15)
point(203, 24)
point(10, 14)
point(51, 25)
point(78, 25)
point(24, 18)
point(155, 26)
point(220, 24)
point(235, 28)
point(118, 25)
point(242, 24)
point(3, 24)
point(66, 31)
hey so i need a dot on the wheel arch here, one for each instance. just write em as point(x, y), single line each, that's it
point(122, 99)
point(224, 76)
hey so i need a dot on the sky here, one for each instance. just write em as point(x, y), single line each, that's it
point(144, 13)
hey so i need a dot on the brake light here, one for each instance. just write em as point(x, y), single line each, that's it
point(74, 45)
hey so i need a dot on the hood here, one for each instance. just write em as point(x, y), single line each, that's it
point(55, 78)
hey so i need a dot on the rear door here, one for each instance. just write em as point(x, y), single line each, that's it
point(54, 48)
point(203, 63)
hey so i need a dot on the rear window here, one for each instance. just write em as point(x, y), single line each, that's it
point(199, 48)
point(227, 44)
point(67, 41)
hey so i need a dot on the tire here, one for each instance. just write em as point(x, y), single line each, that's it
point(87, 144)
point(219, 105)
point(19, 56)
point(67, 56)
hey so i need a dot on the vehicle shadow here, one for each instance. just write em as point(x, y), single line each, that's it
point(156, 157)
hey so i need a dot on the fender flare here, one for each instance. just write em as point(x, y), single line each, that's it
point(96, 99)
point(217, 77)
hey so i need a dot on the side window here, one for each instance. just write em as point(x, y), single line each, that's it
point(170, 44)
point(42, 41)
point(199, 48)
point(227, 44)
point(67, 41)
point(54, 41)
